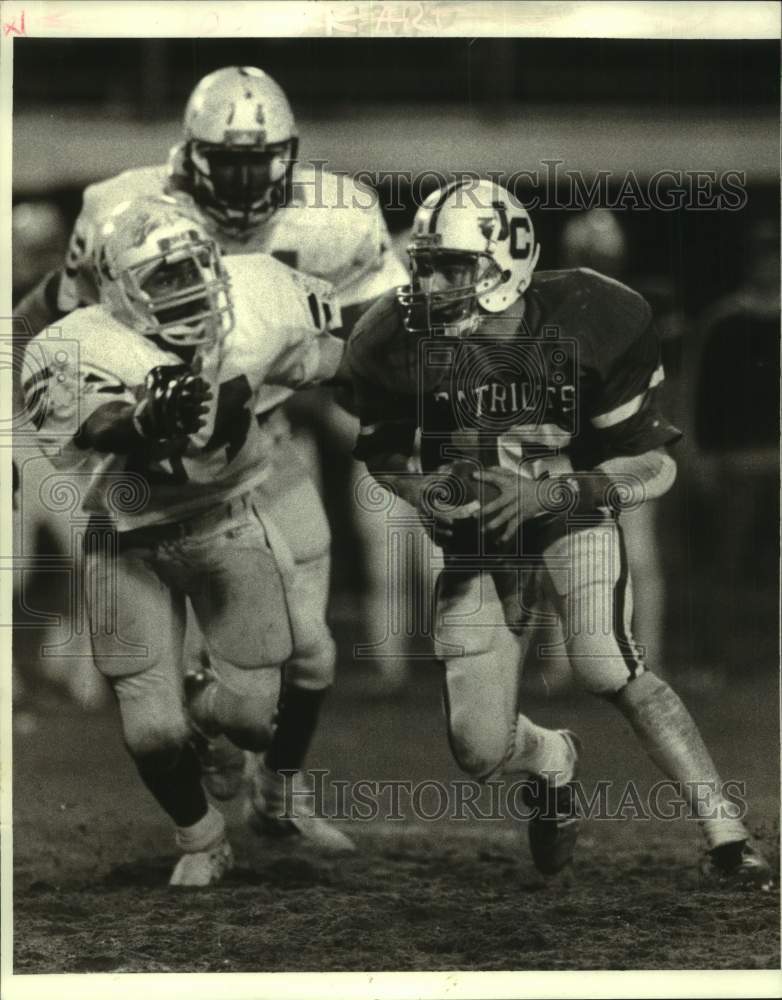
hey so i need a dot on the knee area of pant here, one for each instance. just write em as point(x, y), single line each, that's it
point(604, 677)
point(247, 719)
point(157, 741)
point(477, 754)
point(463, 643)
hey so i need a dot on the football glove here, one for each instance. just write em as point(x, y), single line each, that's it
point(173, 404)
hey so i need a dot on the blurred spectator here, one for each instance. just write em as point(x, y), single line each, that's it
point(594, 239)
point(39, 236)
point(732, 369)
point(39, 240)
point(737, 388)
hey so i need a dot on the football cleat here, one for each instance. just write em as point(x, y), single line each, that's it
point(273, 813)
point(200, 868)
point(738, 863)
point(555, 824)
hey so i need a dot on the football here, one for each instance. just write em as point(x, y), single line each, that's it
point(457, 489)
point(458, 480)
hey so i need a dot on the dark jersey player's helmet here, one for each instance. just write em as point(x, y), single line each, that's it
point(473, 248)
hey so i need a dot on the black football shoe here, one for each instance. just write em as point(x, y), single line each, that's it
point(738, 864)
point(555, 823)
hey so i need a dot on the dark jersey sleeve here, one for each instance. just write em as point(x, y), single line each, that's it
point(622, 403)
point(386, 407)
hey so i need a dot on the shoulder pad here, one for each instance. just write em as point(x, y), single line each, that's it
point(102, 198)
point(254, 275)
point(602, 313)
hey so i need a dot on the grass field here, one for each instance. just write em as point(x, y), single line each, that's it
point(93, 854)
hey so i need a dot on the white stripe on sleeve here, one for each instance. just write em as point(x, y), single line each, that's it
point(631, 407)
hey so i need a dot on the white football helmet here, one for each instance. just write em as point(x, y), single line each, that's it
point(160, 272)
point(472, 246)
point(240, 146)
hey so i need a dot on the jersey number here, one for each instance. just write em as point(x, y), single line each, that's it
point(289, 257)
point(233, 417)
point(232, 422)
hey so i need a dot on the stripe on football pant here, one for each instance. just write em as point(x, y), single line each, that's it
point(623, 613)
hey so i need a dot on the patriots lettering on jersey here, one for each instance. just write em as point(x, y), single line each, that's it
point(511, 399)
point(495, 383)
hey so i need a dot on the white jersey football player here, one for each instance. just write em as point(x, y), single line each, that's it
point(148, 401)
point(236, 167)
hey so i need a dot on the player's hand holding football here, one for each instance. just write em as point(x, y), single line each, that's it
point(517, 501)
point(174, 403)
point(442, 504)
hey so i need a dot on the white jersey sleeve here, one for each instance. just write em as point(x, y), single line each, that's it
point(292, 318)
point(70, 370)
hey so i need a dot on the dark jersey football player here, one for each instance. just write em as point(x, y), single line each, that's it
point(517, 411)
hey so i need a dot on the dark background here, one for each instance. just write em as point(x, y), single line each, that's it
point(446, 104)
point(153, 77)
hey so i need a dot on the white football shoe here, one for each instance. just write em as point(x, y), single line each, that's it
point(207, 854)
point(285, 808)
point(204, 867)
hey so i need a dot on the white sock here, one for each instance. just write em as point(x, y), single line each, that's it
point(541, 751)
point(203, 834)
